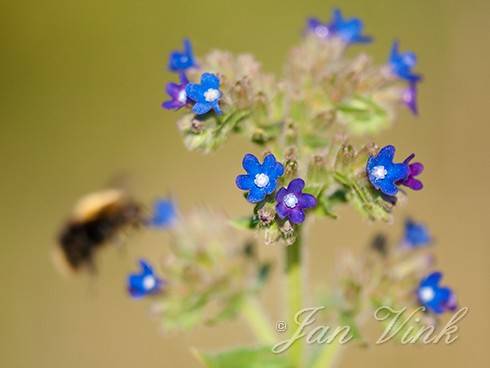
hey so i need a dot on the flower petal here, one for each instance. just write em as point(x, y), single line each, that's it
point(269, 163)
point(307, 201)
point(172, 89)
point(210, 80)
point(256, 195)
point(217, 108)
point(278, 170)
point(281, 193)
point(432, 280)
point(387, 187)
point(172, 105)
point(201, 108)
point(413, 183)
point(281, 210)
point(271, 186)
point(146, 267)
point(188, 48)
point(251, 164)
point(244, 182)
point(386, 154)
point(194, 92)
point(296, 216)
point(296, 185)
point(416, 168)
point(397, 172)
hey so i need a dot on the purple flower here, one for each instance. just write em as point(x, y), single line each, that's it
point(409, 97)
point(291, 201)
point(177, 94)
point(144, 282)
point(383, 173)
point(414, 170)
point(435, 298)
point(321, 30)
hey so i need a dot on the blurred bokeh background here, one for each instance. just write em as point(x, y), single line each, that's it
point(81, 87)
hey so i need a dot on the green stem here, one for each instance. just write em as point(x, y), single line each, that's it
point(326, 357)
point(294, 292)
point(258, 322)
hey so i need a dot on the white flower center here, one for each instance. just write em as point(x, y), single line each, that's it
point(321, 31)
point(182, 97)
point(211, 95)
point(149, 282)
point(290, 200)
point(426, 294)
point(261, 180)
point(379, 172)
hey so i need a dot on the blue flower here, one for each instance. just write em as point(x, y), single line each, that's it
point(261, 179)
point(292, 202)
point(144, 282)
point(402, 63)
point(206, 94)
point(383, 173)
point(416, 235)
point(435, 298)
point(180, 61)
point(349, 30)
point(164, 213)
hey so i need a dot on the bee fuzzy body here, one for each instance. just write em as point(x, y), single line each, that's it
point(97, 219)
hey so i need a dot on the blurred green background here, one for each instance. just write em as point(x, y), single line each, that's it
point(81, 87)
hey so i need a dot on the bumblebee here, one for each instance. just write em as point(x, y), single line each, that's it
point(97, 219)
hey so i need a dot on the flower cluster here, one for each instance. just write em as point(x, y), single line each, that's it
point(393, 275)
point(386, 176)
point(302, 120)
point(261, 181)
point(211, 270)
point(348, 30)
point(204, 96)
point(401, 64)
point(321, 91)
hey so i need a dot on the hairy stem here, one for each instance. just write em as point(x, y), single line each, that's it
point(295, 295)
point(257, 320)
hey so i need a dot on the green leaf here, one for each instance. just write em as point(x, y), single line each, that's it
point(261, 357)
